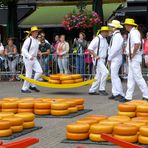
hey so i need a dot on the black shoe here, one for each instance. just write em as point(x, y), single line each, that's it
point(34, 89)
point(103, 93)
point(123, 100)
point(118, 97)
point(111, 97)
point(25, 91)
point(93, 93)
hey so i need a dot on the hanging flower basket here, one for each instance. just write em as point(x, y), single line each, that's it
point(81, 20)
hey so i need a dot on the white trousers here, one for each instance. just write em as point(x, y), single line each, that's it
point(101, 76)
point(116, 81)
point(31, 66)
point(135, 76)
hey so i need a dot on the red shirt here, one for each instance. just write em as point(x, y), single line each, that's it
point(146, 47)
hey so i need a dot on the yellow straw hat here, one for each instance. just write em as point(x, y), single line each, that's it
point(103, 28)
point(115, 24)
point(129, 21)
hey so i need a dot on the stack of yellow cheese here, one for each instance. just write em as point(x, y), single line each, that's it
point(26, 107)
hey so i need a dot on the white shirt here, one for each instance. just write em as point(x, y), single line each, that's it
point(103, 46)
point(116, 44)
point(135, 38)
point(33, 51)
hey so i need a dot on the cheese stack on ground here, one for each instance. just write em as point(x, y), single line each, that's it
point(28, 119)
point(5, 128)
point(142, 110)
point(87, 121)
point(77, 131)
point(99, 118)
point(125, 132)
point(97, 129)
point(26, 106)
point(42, 108)
point(143, 137)
point(127, 110)
point(16, 123)
point(6, 114)
point(79, 103)
point(10, 107)
point(72, 105)
point(59, 108)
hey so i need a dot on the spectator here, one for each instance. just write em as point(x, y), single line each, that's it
point(1, 54)
point(146, 49)
point(39, 38)
point(80, 46)
point(12, 57)
point(62, 52)
point(43, 37)
point(44, 50)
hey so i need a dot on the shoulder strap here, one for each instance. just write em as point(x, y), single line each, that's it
point(98, 46)
point(130, 54)
point(111, 41)
point(29, 44)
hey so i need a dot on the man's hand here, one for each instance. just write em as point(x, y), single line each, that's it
point(32, 58)
point(97, 57)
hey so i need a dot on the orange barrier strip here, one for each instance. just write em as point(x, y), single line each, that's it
point(21, 143)
point(118, 142)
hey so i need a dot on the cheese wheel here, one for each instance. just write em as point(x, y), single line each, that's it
point(136, 123)
point(126, 108)
point(142, 108)
point(13, 110)
point(59, 106)
point(5, 133)
point(55, 77)
point(131, 139)
point(80, 107)
point(88, 121)
point(79, 101)
point(125, 130)
point(65, 77)
point(78, 80)
point(96, 117)
point(76, 76)
point(119, 118)
point(25, 110)
point(42, 111)
point(27, 125)
point(67, 81)
point(6, 114)
point(73, 109)
point(76, 136)
point(9, 105)
point(110, 122)
point(100, 128)
point(140, 114)
point(11, 99)
point(54, 81)
point(16, 129)
point(138, 101)
point(59, 112)
point(71, 103)
point(77, 128)
point(129, 114)
point(42, 105)
point(95, 137)
point(140, 119)
point(26, 116)
point(142, 139)
point(4, 124)
point(25, 105)
point(15, 121)
point(144, 130)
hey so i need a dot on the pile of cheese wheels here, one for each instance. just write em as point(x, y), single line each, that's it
point(13, 123)
point(121, 127)
point(135, 108)
point(42, 106)
point(65, 78)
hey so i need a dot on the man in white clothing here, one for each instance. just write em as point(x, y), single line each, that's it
point(98, 48)
point(134, 53)
point(29, 53)
point(115, 59)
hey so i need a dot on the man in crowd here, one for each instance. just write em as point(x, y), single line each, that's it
point(98, 48)
point(29, 52)
point(115, 59)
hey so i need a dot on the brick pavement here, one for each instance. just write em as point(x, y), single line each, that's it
point(53, 131)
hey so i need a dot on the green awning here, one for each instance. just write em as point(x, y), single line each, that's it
point(52, 16)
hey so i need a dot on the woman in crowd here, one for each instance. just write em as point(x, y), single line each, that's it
point(12, 57)
point(62, 52)
point(1, 54)
point(146, 49)
point(79, 47)
point(44, 50)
